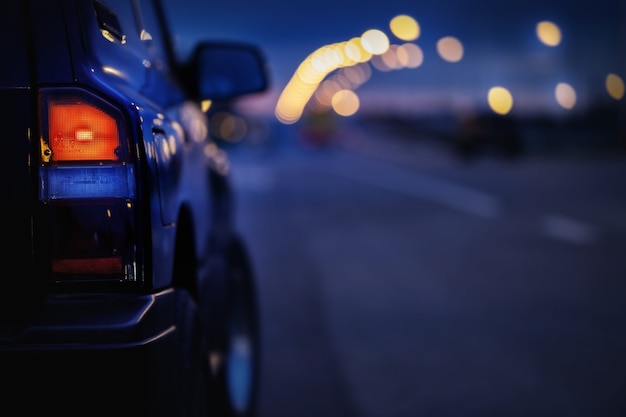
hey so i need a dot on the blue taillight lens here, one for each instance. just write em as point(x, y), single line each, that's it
point(104, 181)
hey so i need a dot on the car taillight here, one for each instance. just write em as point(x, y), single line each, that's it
point(79, 131)
point(86, 189)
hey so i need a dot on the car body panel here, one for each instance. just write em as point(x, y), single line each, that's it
point(13, 43)
point(133, 343)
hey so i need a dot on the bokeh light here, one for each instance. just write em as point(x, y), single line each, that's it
point(565, 95)
point(377, 62)
point(357, 74)
point(345, 102)
point(410, 55)
point(228, 127)
point(404, 27)
point(450, 49)
point(355, 50)
point(311, 72)
point(328, 73)
point(500, 100)
point(615, 86)
point(548, 33)
point(375, 41)
point(326, 91)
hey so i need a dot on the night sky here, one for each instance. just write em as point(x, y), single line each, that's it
point(500, 44)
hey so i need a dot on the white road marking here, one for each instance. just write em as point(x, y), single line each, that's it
point(431, 189)
point(428, 188)
point(568, 230)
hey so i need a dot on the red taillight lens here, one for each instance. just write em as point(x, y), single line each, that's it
point(88, 266)
point(86, 190)
point(79, 131)
point(78, 126)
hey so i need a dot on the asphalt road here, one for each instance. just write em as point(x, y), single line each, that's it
point(396, 280)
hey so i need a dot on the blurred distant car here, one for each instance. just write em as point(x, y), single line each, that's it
point(132, 292)
point(487, 133)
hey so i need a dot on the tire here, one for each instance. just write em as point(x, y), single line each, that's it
point(237, 378)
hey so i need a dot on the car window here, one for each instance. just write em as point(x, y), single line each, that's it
point(138, 26)
point(149, 31)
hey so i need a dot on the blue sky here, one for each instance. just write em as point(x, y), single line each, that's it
point(498, 37)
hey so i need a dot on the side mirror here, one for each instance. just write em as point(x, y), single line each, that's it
point(224, 71)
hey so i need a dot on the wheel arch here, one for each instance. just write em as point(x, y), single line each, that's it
point(185, 268)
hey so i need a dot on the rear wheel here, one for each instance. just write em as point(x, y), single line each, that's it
point(237, 375)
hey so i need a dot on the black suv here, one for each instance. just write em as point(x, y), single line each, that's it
point(135, 295)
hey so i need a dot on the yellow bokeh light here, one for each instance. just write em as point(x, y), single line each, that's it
point(548, 33)
point(206, 105)
point(345, 102)
point(565, 95)
point(500, 100)
point(450, 49)
point(355, 51)
point(615, 86)
point(307, 71)
point(404, 27)
point(375, 41)
point(333, 56)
